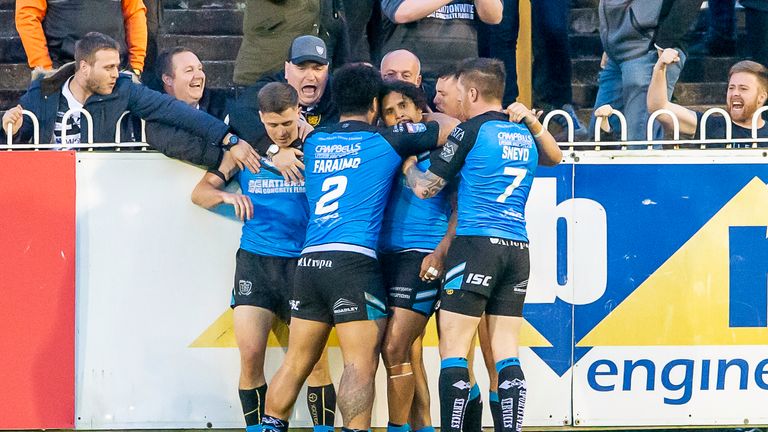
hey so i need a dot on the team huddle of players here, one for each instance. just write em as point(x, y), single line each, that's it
point(402, 211)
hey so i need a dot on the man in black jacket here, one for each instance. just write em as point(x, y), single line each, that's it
point(306, 70)
point(93, 83)
point(181, 75)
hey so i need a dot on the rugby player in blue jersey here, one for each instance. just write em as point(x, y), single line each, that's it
point(488, 262)
point(350, 168)
point(275, 213)
point(414, 240)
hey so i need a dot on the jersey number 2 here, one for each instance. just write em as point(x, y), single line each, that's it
point(334, 188)
point(519, 174)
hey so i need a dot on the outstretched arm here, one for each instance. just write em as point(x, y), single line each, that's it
point(489, 11)
point(209, 191)
point(658, 99)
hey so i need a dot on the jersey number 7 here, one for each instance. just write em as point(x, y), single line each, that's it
point(519, 174)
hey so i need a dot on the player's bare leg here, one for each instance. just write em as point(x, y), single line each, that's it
point(403, 328)
point(252, 325)
point(420, 417)
point(321, 395)
point(305, 348)
point(360, 347)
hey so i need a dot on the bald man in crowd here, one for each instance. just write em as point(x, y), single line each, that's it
point(403, 65)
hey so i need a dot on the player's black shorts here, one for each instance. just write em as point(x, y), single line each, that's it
point(264, 281)
point(336, 287)
point(496, 269)
point(405, 288)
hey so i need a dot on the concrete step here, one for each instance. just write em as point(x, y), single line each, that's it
point(206, 47)
point(685, 93)
point(204, 21)
point(7, 23)
point(697, 69)
point(11, 50)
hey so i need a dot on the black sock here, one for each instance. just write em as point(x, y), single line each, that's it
point(453, 386)
point(321, 402)
point(512, 390)
point(493, 399)
point(252, 401)
point(273, 424)
point(473, 417)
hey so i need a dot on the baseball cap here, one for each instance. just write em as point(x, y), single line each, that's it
point(308, 48)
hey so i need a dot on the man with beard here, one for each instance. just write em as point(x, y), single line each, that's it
point(275, 215)
point(747, 92)
point(93, 83)
point(488, 262)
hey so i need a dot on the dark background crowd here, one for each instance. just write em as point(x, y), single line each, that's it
point(587, 53)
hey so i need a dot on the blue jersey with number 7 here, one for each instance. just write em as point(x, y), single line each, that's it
point(496, 161)
point(349, 171)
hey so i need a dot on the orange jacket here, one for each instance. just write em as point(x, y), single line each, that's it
point(29, 24)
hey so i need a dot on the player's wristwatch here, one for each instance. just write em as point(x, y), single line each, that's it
point(230, 142)
point(273, 150)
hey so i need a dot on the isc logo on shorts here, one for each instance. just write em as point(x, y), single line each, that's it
point(478, 279)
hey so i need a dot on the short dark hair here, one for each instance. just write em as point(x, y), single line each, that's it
point(486, 75)
point(354, 87)
point(165, 60)
point(277, 97)
point(448, 71)
point(754, 68)
point(89, 44)
point(406, 89)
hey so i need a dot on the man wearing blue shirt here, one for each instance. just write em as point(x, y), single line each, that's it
point(488, 264)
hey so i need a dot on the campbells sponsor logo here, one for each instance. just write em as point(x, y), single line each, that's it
point(244, 287)
point(317, 263)
point(344, 306)
point(334, 151)
point(515, 139)
point(458, 410)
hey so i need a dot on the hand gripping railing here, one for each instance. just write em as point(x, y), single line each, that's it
point(66, 117)
point(652, 119)
point(35, 128)
point(568, 121)
point(756, 121)
point(703, 125)
point(622, 121)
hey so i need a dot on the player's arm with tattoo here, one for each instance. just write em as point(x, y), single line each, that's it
point(423, 184)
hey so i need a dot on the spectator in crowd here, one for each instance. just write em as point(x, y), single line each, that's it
point(747, 92)
point(403, 65)
point(361, 16)
point(632, 34)
point(721, 37)
point(94, 84)
point(182, 76)
point(306, 70)
point(438, 32)
point(49, 30)
point(269, 26)
point(551, 56)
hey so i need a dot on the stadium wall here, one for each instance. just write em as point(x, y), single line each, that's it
point(647, 306)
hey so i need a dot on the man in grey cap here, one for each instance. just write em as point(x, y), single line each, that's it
point(306, 70)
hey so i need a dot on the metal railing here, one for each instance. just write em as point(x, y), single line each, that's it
point(623, 143)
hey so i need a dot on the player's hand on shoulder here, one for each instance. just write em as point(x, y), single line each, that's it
point(14, 116)
point(242, 204)
point(519, 113)
point(287, 162)
point(304, 129)
point(245, 156)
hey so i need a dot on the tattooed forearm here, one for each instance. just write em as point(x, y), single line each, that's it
point(424, 184)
